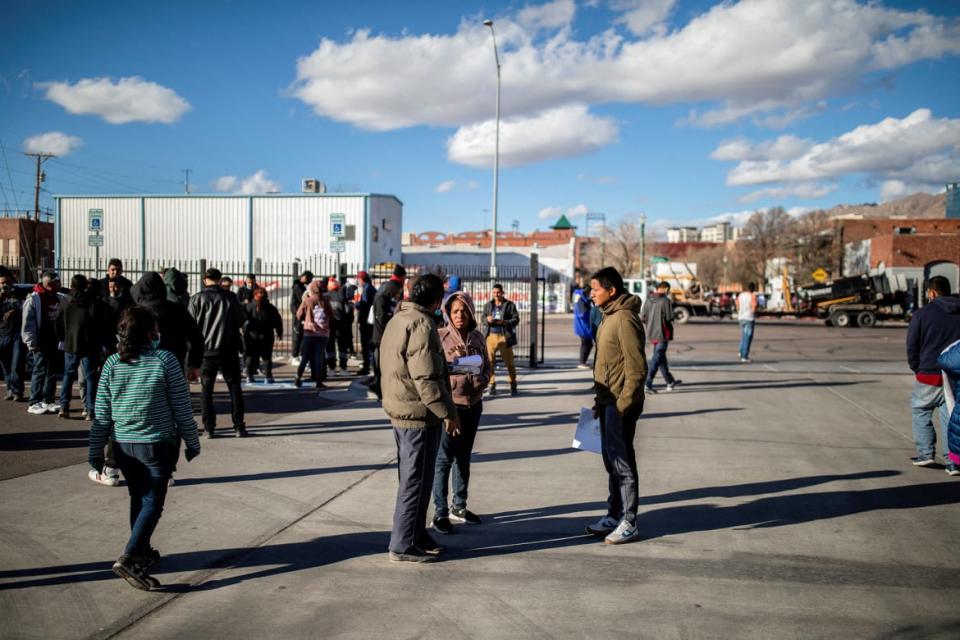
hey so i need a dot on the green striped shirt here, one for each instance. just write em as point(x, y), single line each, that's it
point(143, 401)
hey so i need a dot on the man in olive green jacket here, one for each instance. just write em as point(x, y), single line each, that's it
point(619, 374)
point(416, 396)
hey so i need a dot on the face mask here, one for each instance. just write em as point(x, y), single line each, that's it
point(155, 343)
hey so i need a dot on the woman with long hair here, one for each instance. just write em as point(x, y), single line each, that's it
point(143, 405)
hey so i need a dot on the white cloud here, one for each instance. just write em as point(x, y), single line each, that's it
point(753, 58)
point(472, 184)
point(257, 183)
point(802, 190)
point(118, 102)
point(446, 186)
point(644, 16)
point(55, 142)
point(552, 213)
point(918, 148)
point(785, 147)
point(552, 15)
point(562, 132)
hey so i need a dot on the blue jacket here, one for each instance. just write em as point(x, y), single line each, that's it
point(949, 361)
point(581, 314)
point(931, 329)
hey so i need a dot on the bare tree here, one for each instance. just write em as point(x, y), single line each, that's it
point(618, 247)
point(766, 235)
point(815, 244)
point(710, 265)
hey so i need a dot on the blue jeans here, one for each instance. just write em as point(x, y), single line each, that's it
point(146, 467)
point(659, 363)
point(454, 453)
point(71, 362)
point(12, 351)
point(746, 337)
point(620, 459)
point(924, 400)
point(43, 380)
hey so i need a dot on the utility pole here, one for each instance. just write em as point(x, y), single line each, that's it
point(41, 177)
point(643, 246)
point(186, 181)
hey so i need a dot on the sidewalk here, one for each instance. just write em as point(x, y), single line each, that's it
point(772, 504)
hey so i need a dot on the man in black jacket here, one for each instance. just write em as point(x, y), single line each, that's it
point(12, 350)
point(364, 305)
point(115, 274)
point(500, 320)
point(82, 325)
point(220, 318)
point(296, 297)
point(179, 333)
point(932, 329)
point(245, 292)
point(384, 305)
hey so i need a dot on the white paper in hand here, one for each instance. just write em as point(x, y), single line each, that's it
point(467, 364)
point(587, 436)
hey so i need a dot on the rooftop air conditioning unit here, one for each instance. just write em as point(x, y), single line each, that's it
point(312, 185)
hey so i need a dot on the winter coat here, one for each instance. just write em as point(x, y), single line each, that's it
point(263, 322)
point(315, 312)
point(83, 324)
point(511, 318)
point(245, 294)
point(34, 325)
point(125, 285)
point(949, 361)
point(931, 329)
point(296, 295)
point(657, 316)
point(176, 283)
point(179, 333)
point(220, 317)
point(384, 305)
point(581, 314)
point(621, 365)
point(466, 389)
point(367, 295)
point(416, 391)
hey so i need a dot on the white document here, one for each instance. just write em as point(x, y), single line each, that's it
point(587, 436)
point(468, 364)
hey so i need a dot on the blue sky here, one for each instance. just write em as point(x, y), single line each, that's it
point(683, 110)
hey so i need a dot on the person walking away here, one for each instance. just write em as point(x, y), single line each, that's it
point(384, 304)
point(40, 336)
point(619, 374)
point(582, 306)
point(12, 350)
point(263, 322)
point(176, 283)
point(460, 337)
point(179, 333)
point(297, 293)
point(500, 328)
point(315, 314)
point(364, 304)
point(143, 407)
point(219, 317)
point(341, 327)
point(747, 315)
point(245, 292)
point(81, 324)
point(416, 397)
point(657, 316)
point(932, 328)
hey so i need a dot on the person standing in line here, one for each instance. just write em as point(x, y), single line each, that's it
point(348, 293)
point(416, 397)
point(384, 304)
point(226, 283)
point(143, 407)
point(932, 328)
point(582, 306)
point(657, 316)
point(245, 292)
point(115, 274)
point(315, 314)
point(12, 350)
point(341, 328)
point(220, 317)
point(176, 283)
point(747, 315)
point(297, 293)
point(365, 296)
point(82, 325)
point(179, 333)
point(500, 327)
point(263, 322)
point(39, 334)
point(619, 374)
point(460, 338)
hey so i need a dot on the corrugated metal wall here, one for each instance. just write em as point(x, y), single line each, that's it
point(297, 227)
point(192, 228)
point(121, 227)
point(386, 216)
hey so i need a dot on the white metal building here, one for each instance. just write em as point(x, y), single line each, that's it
point(231, 228)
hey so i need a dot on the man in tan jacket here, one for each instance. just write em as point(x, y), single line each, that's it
point(416, 397)
point(619, 374)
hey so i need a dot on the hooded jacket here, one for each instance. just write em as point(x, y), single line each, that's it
point(466, 389)
point(657, 316)
point(315, 312)
point(176, 283)
point(263, 321)
point(416, 391)
point(83, 324)
point(621, 365)
point(219, 317)
point(179, 333)
point(582, 305)
point(931, 329)
point(384, 304)
point(33, 321)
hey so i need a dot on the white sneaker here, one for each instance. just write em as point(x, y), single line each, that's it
point(37, 409)
point(625, 532)
point(53, 408)
point(103, 478)
point(294, 361)
point(584, 366)
point(602, 527)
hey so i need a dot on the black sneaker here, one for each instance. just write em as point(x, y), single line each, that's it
point(241, 431)
point(133, 569)
point(297, 382)
point(64, 413)
point(413, 554)
point(430, 546)
point(513, 390)
point(442, 525)
point(673, 385)
point(923, 461)
point(208, 433)
point(251, 380)
point(270, 381)
point(464, 516)
point(651, 390)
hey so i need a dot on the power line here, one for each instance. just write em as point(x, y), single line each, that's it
point(109, 172)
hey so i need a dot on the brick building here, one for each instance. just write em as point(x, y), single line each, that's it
point(24, 238)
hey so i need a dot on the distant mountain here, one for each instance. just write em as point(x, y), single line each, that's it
point(918, 205)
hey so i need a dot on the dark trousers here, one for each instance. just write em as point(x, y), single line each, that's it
point(659, 363)
point(297, 338)
point(259, 349)
point(12, 352)
point(229, 366)
point(416, 460)
point(366, 348)
point(73, 364)
point(43, 381)
point(338, 345)
point(454, 453)
point(375, 385)
point(620, 459)
point(312, 351)
point(586, 346)
point(147, 468)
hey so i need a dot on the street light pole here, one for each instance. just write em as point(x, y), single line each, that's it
point(496, 158)
point(643, 246)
